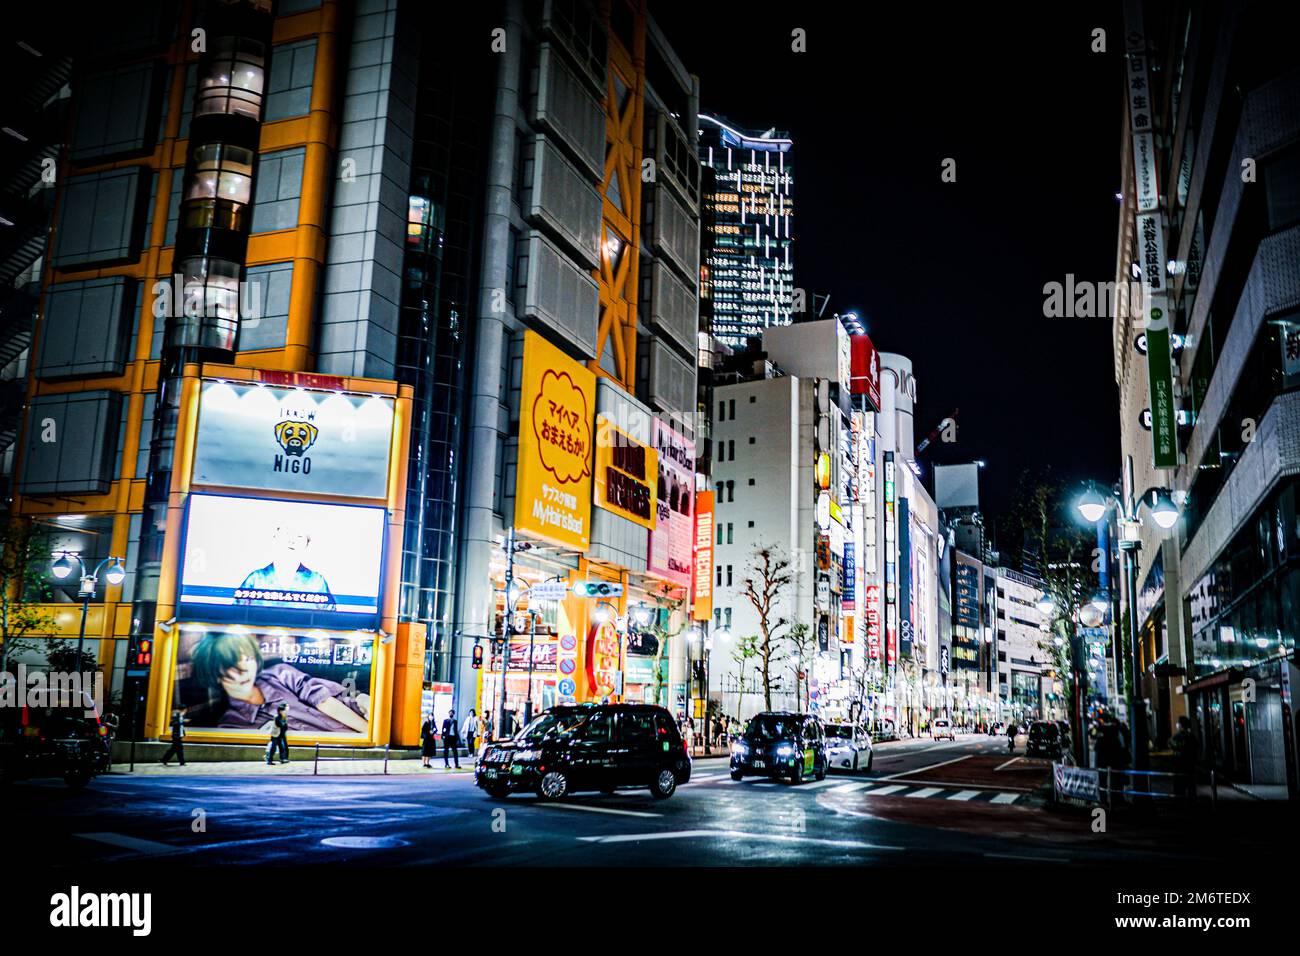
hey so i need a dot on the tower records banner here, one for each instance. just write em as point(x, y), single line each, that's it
point(273, 438)
point(553, 483)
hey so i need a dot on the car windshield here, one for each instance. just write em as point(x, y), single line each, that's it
point(839, 731)
point(941, 723)
point(1039, 731)
point(559, 722)
point(772, 728)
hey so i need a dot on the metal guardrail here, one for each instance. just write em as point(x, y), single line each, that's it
point(315, 769)
point(1129, 785)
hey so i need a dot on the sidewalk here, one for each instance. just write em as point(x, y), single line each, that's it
point(294, 768)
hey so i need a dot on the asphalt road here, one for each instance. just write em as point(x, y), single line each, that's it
point(435, 818)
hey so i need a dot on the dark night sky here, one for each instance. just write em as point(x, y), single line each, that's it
point(949, 274)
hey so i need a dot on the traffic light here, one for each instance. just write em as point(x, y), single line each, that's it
point(597, 589)
point(144, 652)
point(476, 656)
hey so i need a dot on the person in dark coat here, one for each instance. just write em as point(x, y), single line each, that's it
point(450, 739)
point(279, 742)
point(428, 742)
point(1186, 749)
point(177, 748)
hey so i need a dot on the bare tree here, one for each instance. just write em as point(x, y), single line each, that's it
point(803, 642)
point(765, 585)
point(22, 547)
point(746, 649)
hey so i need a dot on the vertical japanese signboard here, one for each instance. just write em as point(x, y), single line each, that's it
point(627, 474)
point(1151, 244)
point(553, 487)
point(702, 578)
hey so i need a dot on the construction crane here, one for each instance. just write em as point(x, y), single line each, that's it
point(934, 433)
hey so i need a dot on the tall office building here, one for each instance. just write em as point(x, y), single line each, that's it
point(302, 273)
point(750, 211)
point(1210, 224)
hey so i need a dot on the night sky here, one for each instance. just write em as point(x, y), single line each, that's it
point(949, 274)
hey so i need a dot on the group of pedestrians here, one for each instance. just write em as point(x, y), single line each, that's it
point(277, 745)
point(475, 730)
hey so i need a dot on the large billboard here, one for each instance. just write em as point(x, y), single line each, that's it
point(553, 483)
point(275, 438)
point(234, 679)
point(672, 537)
point(261, 561)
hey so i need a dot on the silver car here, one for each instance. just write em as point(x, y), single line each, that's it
point(848, 747)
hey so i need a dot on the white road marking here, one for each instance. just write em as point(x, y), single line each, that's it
point(131, 843)
point(916, 770)
point(886, 791)
point(1025, 856)
point(733, 834)
point(851, 787)
point(1007, 763)
point(1005, 798)
point(818, 784)
point(965, 795)
point(591, 809)
point(766, 783)
point(927, 792)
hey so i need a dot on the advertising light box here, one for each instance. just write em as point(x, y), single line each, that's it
point(273, 438)
point(233, 679)
point(291, 563)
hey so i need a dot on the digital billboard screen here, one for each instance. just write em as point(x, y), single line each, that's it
point(234, 679)
point(289, 563)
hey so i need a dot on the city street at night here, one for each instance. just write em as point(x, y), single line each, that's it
point(920, 806)
point(834, 466)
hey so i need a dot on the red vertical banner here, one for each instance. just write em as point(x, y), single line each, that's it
point(702, 578)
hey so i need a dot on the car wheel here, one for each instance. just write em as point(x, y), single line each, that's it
point(870, 759)
point(664, 786)
point(554, 786)
point(796, 775)
point(820, 775)
point(497, 791)
point(737, 775)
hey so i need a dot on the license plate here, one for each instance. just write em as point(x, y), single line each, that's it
point(759, 765)
point(490, 774)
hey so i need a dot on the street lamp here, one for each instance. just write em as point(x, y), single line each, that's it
point(1094, 508)
point(115, 574)
point(1045, 604)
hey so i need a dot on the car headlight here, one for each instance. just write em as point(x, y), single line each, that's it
point(739, 748)
point(785, 750)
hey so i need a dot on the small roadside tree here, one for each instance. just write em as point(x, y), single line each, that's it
point(803, 644)
point(746, 650)
point(22, 548)
point(769, 577)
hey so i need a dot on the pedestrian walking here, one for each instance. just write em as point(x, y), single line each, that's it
point(110, 728)
point(279, 742)
point(1186, 750)
point(428, 742)
point(1011, 736)
point(471, 732)
point(450, 739)
point(489, 728)
point(177, 749)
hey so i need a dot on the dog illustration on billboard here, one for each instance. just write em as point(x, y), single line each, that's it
point(295, 437)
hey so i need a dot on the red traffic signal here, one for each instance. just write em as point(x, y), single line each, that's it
point(476, 656)
point(144, 653)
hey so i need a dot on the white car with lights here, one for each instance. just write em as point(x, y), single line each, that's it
point(848, 747)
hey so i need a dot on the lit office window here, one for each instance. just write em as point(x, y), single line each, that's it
point(232, 82)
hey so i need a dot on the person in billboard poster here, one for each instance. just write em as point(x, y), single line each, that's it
point(286, 574)
point(231, 667)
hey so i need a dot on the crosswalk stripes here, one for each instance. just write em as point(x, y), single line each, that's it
point(871, 788)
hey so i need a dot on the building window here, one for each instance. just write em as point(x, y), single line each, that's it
point(731, 449)
point(722, 411)
point(279, 185)
point(753, 399)
point(730, 527)
point(751, 524)
point(728, 575)
point(98, 219)
point(731, 491)
point(731, 408)
point(719, 584)
point(220, 191)
point(719, 532)
point(289, 92)
point(751, 482)
point(751, 439)
point(268, 297)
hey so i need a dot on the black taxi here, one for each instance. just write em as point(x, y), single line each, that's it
point(588, 747)
point(780, 744)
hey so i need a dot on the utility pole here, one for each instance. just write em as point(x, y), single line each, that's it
point(507, 629)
